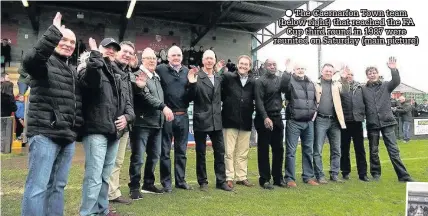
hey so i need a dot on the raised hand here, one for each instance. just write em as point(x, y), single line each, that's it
point(345, 72)
point(288, 65)
point(220, 65)
point(93, 44)
point(192, 76)
point(141, 80)
point(392, 63)
point(57, 22)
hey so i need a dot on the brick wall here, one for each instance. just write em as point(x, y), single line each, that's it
point(108, 26)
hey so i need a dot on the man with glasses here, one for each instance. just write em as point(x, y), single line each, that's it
point(174, 81)
point(146, 135)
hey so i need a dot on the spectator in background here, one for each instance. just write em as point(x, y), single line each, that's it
point(192, 56)
point(199, 55)
point(185, 56)
point(423, 109)
point(163, 56)
point(404, 109)
point(23, 80)
point(6, 52)
point(19, 115)
point(8, 105)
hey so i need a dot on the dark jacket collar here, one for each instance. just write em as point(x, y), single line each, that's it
point(62, 58)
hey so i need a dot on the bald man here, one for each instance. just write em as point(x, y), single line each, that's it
point(174, 84)
point(205, 91)
point(54, 117)
point(269, 126)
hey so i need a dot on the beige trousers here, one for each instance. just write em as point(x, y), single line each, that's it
point(237, 144)
point(113, 183)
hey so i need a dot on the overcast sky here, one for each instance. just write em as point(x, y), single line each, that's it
point(411, 60)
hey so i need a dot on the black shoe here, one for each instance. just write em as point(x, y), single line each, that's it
point(267, 185)
point(184, 186)
point(336, 179)
point(167, 189)
point(376, 177)
point(135, 194)
point(224, 187)
point(203, 187)
point(364, 178)
point(121, 200)
point(151, 189)
point(280, 184)
point(345, 176)
point(406, 179)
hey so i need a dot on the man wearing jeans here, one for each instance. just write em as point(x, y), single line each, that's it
point(174, 84)
point(54, 117)
point(146, 135)
point(376, 95)
point(107, 110)
point(405, 111)
point(300, 92)
point(328, 122)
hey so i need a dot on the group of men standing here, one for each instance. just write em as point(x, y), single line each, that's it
point(111, 98)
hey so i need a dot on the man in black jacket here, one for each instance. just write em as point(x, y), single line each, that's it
point(237, 116)
point(376, 95)
point(174, 81)
point(300, 92)
point(423, 109)
point(147, 130)
point(405, 111)
point(107, 110)
point(205, 90)
point(269, 126)
point(124, 58)
point(351, 96)
point(54, 117)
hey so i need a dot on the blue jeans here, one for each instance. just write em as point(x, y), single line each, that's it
point(330, 128)
point(48, 168)
point(22, 88)
point(406, 130)
point(100, 155)
point(294, 130)
point(179, 129)
point(142, 140)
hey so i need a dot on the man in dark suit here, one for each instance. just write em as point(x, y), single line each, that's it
point(206, 94)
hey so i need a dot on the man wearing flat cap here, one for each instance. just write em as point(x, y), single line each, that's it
point(106, 110)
